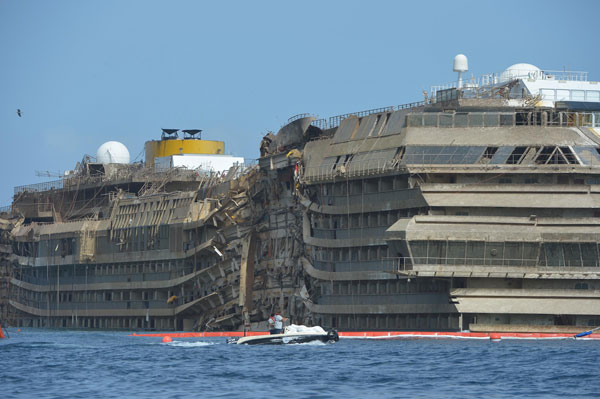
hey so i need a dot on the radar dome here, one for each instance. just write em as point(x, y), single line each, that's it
point(461, 64)
point(521, 71)
point(112, 152)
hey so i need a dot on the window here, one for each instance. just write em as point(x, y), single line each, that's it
point(507, 119)
point(415, 120)
point(563, 95)
point(430, 119)
point(446, 119)
point(516, 155)
point(592, 95)
point(488, 154)
point(461, 119)
point(476, 119)
point(491, 119)
point(547, 94)
point(577, 95)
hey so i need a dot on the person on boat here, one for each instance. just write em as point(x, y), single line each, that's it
point(276, 323)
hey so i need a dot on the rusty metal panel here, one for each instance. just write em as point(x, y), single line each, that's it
point(367, 124)
point(358, 162)
point(381, 124)
point(381, 156)
point(328, 163)
point(372, 159)
point(346, 130)
point(395, 123)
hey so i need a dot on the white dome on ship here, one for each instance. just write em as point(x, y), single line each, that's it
point(461, 64)
point(521, 70)
point(112, 152)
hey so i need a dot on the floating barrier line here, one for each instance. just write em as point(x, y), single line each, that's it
point(381, 335)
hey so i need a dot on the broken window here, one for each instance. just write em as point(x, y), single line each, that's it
point(516, 155)
point(569, 155)
point(544, 155)
point(529, 155)
point(488, 154)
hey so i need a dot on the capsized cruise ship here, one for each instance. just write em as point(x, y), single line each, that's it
point(474, 209)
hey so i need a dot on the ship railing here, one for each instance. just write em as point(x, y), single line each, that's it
point(70, 301)
point(240, 169)
point(335, 121)
point(354, 169)
point(299, 116)
point(6, 209)
point(403, 264)
point(320, 123)
point(448, 120)
point(497, 78)
point(410, 105)
point(38, 187)
point(332, 171)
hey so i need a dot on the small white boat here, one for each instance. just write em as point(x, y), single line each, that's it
point(292, 334)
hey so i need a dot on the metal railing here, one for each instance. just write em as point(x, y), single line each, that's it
point(555, 158)
point(371, 167)
point(502, 119)
point(410, 105)
point(38, 187)
point(400, 264)
point(335, 121)
point(320, 123)
point(299, 116)
point(497, 78)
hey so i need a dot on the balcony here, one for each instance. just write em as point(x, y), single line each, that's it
point(486, 268)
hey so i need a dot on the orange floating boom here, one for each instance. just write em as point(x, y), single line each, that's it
point(379, 335)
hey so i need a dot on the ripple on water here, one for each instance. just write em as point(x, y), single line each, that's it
point(183, 344)
point(107, 364)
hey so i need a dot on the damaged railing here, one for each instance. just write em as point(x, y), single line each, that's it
point(38, 187)
point(6, 209)
point(334, 121)
point(478, 158)
point(366, 168)
point(299, 116)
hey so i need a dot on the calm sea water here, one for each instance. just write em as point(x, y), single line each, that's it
point(77, 364)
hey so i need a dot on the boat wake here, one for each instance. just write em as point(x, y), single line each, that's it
point(311, 343)
point(190, 344)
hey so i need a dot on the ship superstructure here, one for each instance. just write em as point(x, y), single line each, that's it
point(476, 208)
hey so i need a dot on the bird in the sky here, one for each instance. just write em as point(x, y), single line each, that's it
point(19, 112)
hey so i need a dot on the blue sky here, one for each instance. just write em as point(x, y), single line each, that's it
point(86, 72)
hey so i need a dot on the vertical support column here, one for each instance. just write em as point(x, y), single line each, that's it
point(247, 275)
